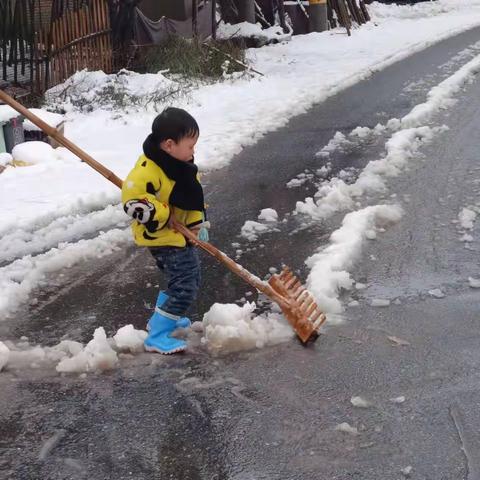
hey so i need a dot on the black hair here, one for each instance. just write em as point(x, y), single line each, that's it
point(174, 123)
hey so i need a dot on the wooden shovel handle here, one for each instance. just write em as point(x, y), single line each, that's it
point(248, 277)
point(56, 135)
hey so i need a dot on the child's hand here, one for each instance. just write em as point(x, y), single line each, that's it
point(173, 223)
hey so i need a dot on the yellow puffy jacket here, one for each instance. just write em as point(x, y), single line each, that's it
point(145, 195)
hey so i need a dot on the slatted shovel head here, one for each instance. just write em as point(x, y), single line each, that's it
point(299, 307)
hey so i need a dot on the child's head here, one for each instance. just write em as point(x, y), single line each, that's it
point(176, 132)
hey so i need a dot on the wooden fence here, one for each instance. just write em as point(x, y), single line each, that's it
point(76, 40)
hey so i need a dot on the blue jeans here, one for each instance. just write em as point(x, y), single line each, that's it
point(182, 269)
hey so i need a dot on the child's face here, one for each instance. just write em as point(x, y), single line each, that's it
point(182, 150)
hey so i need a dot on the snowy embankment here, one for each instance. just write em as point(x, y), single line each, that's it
point(231, 114)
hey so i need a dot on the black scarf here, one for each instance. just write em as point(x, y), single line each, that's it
point(187, 192)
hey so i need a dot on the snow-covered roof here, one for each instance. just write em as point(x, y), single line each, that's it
point(7, 113)
point(53, 119)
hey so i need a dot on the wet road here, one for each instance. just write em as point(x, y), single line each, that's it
point(271, 413)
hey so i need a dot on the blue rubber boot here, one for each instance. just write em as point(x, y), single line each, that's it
point(159, 340)
point(184, 322)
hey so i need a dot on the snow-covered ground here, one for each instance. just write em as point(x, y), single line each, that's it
point(37, 201)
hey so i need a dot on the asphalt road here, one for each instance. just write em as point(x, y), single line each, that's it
point(271, 413)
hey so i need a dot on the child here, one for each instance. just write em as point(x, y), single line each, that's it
point(161, 190)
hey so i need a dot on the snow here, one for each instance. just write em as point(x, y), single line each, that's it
point(251, 230)
point(360, 402)
point(7, 113)
point(436, 293)
point(4, 355)
point(346, 428)
point(32, 153)
point(19, 278)
point(129, 339)
point(231, 114)
point(20, 242)
point(329, 268)
point(467, 217)
point(335, 195)
point(53, 119)
point(98, 356)
point(231, 328)
point(268, 215)
point(474, 282)
point(407, 471)
point(5, 159)
point(380, 302)
point(398, 400)
point(226, 31)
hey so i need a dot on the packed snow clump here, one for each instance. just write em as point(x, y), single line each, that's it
point(268, 215)
point(97, 356)
point(129, 339)
point(360, 402)
point(467, 217)
point(474, 282)
point(231, 328)
point(346, 428)
point(32, 153)
point(436, 293)
point(380, 302)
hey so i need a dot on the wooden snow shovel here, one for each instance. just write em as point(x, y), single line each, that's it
point(285, 289)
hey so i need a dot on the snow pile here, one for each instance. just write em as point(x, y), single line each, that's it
point(100, 354)
point(5, 159)
point(226, 31)
point(329, 268)
point(268, 215)
point(19, 278)
point(338, 142)
point(129, 339)
point(31, 153)
point(22, 241)
point(467, 218)
point(89, 91)
point(97, 356)
point(52, 119)
point(231, 328)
